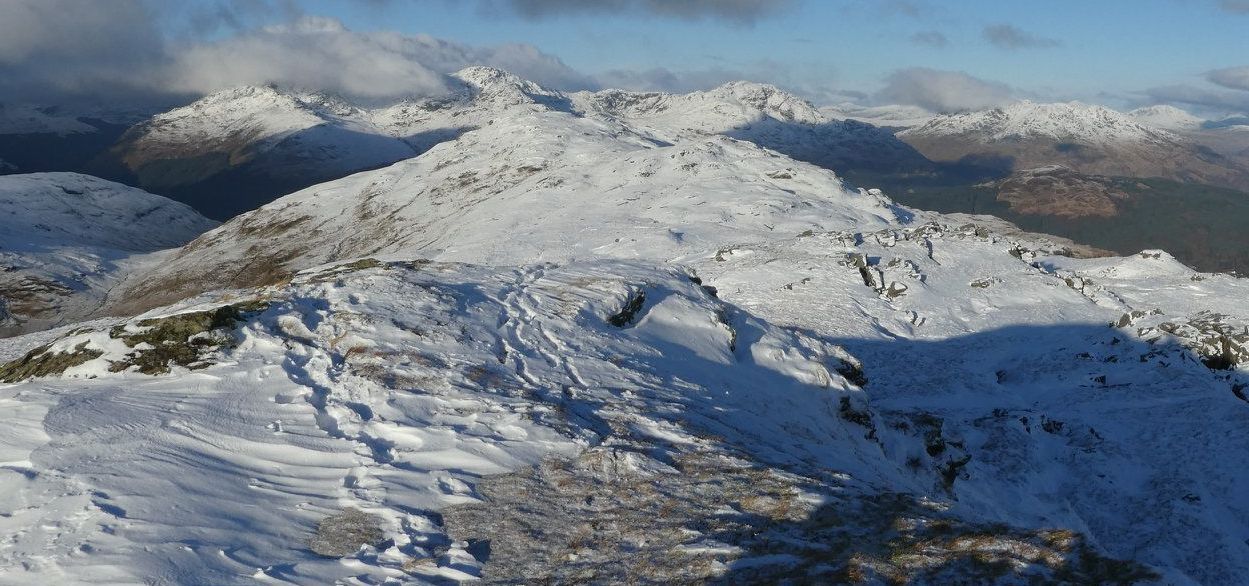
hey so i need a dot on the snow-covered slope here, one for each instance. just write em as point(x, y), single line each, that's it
point(27, 119)
point(536, 185)
point(1088, 138)
point(762, 114)
point(1167, 118)
point(668, 359)
point(66, 238)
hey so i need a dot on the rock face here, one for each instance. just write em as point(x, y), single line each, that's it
point(1089, 139)
point(345, 533)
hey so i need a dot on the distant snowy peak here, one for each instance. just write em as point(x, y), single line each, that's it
point(717, 110)
point(489, 84)
point(69, 209)
point(769, 100)
point(1074, 121)
point(262, 111)
point(1166, 117)
point(23, 119)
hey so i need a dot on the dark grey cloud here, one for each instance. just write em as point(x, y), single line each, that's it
point(943, 91)
point(66, 51)
point(738, 11)
point(1236, 78)
point(74, 47)
point(1237, 6)
point(930, 39)
point(1006, 36)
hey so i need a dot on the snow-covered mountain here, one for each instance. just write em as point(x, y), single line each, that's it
point(256, 143)
point(1088, 138)
point(762, 114)
point(65, 239)
point(220, 153)
point(592, 347)
point(1167, 118)
point(27, 119)
point(1091, 124)
point(537, 185)
point(48, 138)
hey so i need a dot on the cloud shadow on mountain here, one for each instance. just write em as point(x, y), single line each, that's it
point(220, 189)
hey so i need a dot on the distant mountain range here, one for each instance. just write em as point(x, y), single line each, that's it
point(238, 149)
point(1089, 139)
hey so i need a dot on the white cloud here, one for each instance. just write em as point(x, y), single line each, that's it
point(943, 91)
point(321, 53)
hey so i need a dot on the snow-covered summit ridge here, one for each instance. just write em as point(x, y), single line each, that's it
point(493, 84)
point(1166, 117)
point(261, 112)
point(717, 110)
point(1073, 121)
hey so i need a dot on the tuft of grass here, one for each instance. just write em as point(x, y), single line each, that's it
point(184, 340)
point(41, 362)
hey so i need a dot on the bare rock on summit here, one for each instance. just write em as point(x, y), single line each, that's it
point(342, 534)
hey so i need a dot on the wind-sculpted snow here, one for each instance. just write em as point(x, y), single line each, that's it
point(391, 390)
point(993, 398)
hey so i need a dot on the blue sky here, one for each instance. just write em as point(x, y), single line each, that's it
point(944, 55)
point(1116, 47)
